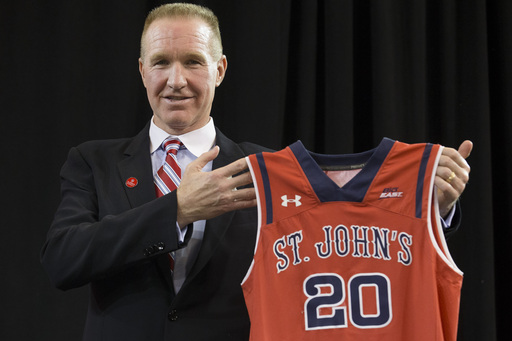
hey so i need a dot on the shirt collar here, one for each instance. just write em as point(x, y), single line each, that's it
point(197, 141)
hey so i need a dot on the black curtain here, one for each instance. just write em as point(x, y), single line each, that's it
point(337, 74)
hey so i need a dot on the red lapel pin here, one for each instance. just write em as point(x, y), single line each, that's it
point(131, 182)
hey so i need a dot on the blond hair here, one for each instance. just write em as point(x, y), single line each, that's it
point(188, 11)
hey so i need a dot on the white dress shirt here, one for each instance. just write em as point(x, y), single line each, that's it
point(195, 143)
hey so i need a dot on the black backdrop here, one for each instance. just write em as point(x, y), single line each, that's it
point(338, 74)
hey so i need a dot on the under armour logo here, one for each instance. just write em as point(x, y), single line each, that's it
point(296, 201)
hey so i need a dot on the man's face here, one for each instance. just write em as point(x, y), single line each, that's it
point(180, 74)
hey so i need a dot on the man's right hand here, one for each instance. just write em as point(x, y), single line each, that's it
point(205, 195)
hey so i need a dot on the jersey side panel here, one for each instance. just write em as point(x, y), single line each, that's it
point(290, 191)
point(448, 276)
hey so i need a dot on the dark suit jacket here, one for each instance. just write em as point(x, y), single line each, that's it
point(116, 238)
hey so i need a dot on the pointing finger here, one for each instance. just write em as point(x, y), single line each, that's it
point(199, 163)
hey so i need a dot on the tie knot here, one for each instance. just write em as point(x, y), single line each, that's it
point(171, 145)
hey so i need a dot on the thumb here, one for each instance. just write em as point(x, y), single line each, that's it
point(465, 148)
point(204, 158)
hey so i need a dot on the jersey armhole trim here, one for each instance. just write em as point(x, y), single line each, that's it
point(260, 218)
point(442, 248)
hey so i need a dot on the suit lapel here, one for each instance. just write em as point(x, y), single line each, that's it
point(136, 166)
point(217, 227)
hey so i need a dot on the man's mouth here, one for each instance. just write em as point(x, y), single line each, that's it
point(176, 98)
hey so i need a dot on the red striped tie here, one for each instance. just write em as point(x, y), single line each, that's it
point(168, 177)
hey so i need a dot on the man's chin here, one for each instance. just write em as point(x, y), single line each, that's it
point(177, 124)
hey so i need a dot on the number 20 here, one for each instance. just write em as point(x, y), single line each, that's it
point(336, 296)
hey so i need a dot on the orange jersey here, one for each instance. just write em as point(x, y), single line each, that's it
point(364, 261)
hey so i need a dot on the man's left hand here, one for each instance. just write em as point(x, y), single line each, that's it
point(452, 176)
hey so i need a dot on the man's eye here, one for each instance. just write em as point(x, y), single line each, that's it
point(161, 62)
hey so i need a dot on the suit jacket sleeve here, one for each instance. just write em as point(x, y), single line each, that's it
point(96, 233)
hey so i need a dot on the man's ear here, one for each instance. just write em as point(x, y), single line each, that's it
point(141, 71)
point(222, 66)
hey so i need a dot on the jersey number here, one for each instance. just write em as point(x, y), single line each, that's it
point(327, 292)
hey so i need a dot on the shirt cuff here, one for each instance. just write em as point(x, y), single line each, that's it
point(181, 233)
point(447, 222)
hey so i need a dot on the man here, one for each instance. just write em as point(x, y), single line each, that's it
point(112, 231)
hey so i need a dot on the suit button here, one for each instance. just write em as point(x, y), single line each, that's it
point(160, 246)
point(149, 251)
point(173, 315)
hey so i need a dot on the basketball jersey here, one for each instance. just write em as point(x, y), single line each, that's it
point(364, 261)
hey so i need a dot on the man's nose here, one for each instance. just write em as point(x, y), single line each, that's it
point(177, 79)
